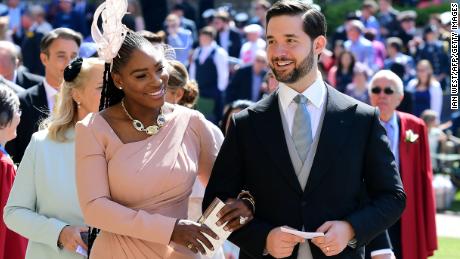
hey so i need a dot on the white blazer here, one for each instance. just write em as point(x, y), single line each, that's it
point(43, 199)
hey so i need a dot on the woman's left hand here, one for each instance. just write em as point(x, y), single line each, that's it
point(235, 213)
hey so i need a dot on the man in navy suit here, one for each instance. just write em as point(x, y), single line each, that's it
point(57, 48)
point(306, 154)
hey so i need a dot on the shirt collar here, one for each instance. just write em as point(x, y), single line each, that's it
point(50, 91)
point(316, 94)
point(393, 121)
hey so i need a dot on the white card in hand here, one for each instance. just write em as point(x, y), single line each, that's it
point(209, 218)
point(306, 235)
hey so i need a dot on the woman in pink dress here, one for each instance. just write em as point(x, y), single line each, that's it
point(137, 161)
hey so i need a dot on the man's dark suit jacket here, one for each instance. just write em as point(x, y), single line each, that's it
point(34, 106)
point(27, 80)
point(240, 87)
point(234, 46)
point(353, 155)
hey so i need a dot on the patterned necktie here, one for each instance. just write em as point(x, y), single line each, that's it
point(301, 129)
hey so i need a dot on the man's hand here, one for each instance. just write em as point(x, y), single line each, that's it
point(337, 234)
point(231, 213)
point(281, 244)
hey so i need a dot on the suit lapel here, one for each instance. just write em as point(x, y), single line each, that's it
point(336, 128)
point(39, 99)
point(268, 118)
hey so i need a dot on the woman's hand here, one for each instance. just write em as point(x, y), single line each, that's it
point(236, 213)
point(70, 238)
point(189, 234)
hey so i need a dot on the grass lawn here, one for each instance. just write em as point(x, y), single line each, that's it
point(448, 248)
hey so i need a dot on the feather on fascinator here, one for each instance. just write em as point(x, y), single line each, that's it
point(113, 33)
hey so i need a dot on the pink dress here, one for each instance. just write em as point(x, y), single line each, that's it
point(134, 192)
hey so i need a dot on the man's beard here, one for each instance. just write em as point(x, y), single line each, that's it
point(298, 72)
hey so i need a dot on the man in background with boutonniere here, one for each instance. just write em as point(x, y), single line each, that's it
point(414, 235)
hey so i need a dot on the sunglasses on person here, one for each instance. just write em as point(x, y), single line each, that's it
point(386, 90)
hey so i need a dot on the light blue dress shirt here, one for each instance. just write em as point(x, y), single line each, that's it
point(392, 129)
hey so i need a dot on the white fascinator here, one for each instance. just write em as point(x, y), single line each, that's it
point(113, 33)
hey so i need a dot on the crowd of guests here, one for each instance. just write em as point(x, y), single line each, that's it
point(220, 67)
point(224, 43)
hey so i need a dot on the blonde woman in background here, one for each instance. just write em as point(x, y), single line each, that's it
point(426, 89)
point(43, 205)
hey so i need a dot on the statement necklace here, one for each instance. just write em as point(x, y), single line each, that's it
point(139, 126)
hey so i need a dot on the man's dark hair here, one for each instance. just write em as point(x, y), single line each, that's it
point(396, 43)
point(370, 34)
point(179, 7)
point(59, 33)
point(314, 22)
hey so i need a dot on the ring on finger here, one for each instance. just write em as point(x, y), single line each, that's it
point(243, 220)
point(190, 246)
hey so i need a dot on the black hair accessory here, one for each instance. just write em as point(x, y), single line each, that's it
point(73, 69)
